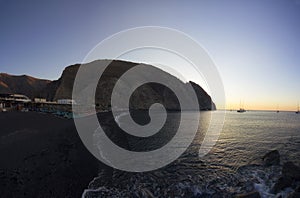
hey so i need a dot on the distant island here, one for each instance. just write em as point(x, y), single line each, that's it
point(61, 89)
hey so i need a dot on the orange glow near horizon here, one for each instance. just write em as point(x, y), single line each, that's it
point(261, 106)
point(255, 96)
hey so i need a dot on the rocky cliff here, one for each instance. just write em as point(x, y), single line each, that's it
point(142, 98)
point(27, 85)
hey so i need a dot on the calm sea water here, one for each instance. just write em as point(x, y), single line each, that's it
point(248, 136)
point(231, 167)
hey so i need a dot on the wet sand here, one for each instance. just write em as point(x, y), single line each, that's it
point(42, 156)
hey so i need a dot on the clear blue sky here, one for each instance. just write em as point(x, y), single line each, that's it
point(255, 44)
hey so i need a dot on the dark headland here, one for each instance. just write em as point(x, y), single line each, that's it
point(62, 88)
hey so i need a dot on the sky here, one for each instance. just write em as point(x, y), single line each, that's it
point(255, 44)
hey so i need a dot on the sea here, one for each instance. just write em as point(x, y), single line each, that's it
point(233, 165)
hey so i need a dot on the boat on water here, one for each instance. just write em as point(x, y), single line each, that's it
point(298, 112)
point(241, 110)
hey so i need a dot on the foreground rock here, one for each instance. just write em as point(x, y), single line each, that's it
point(295, 194)
point(289, 177)
point(289, 169)
point(271, 158)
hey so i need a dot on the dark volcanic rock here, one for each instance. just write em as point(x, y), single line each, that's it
point(64, 84)
point(271, 158)
point(290, 175)
point(294, 195)
point(289, 169)
point(27, 85)
point(282, 183)
point(204, 99)
point(142, 98)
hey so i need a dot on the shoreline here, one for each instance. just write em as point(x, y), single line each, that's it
point(42, 155)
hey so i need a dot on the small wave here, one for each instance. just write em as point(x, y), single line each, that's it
point(118, 117)
point(177, 181)
point(103, 192)
point(97, 138)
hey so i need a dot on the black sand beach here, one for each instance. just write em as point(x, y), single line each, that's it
point(42, 156)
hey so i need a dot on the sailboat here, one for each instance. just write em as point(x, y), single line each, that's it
point(277, 111)
point(298, 112)
point(241, 110)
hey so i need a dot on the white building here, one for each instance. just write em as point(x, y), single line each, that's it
point(16, 98)
point(66, 101)
point(41, 100)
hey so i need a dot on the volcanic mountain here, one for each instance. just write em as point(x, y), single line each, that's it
point(62, 88)
point(27, 85)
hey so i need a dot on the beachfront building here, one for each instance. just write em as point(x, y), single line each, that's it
point(2, 105)
point(39, 100)
point(13, 101)
point(66, 101)
point(14, 98)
